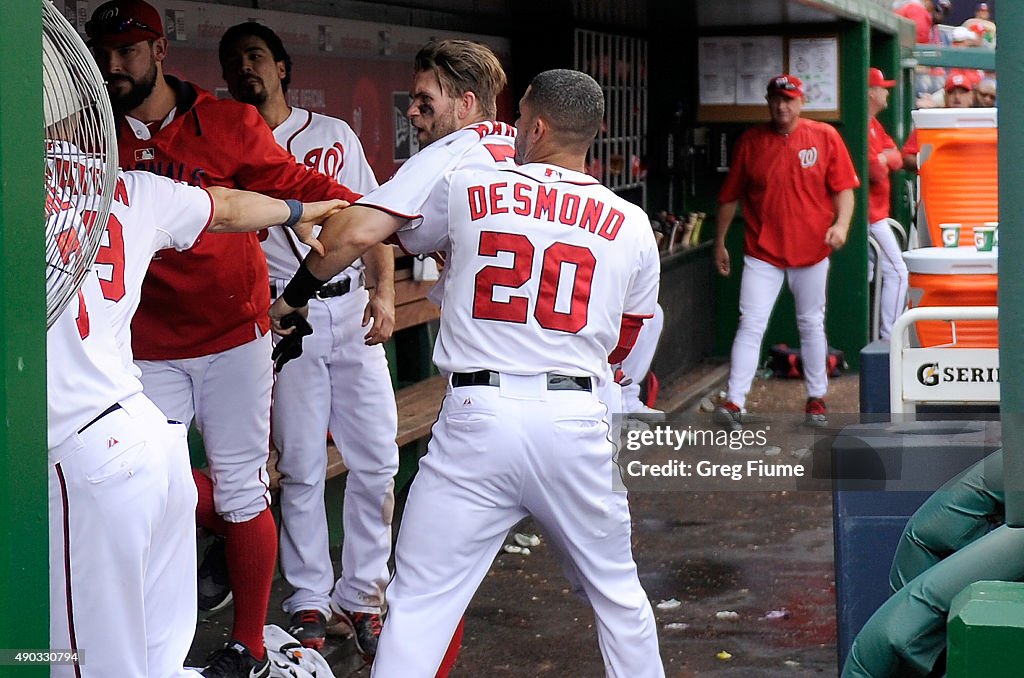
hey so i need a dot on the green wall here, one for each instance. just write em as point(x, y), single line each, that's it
point(847, 321)
point(23, 555)
point(1010, 69)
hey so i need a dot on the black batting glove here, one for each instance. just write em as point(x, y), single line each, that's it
point(290, 347)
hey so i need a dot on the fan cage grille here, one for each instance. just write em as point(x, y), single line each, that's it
point(81, 159)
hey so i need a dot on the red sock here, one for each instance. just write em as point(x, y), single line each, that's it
point(206, 515)
point(251, 553)
point(452, 652)
point(652, 389)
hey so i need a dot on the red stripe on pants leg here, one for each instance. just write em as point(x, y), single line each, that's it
point(452, 653)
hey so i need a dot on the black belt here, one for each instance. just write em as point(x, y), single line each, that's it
point(556, 382)
point(334, 289)
point(113, 408)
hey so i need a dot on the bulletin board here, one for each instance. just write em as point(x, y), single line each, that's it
point(816, 62)
point(734, 71)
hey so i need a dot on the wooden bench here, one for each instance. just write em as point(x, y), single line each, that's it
point(411, 304)
point(417, 410)
point(418, 403)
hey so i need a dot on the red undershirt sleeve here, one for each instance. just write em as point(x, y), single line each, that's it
point(628, 332)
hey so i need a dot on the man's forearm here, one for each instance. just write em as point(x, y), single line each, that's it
point(380, 268)
point(844, 207)
point(235, 210)
point(335, 261)
point(723, 219)
point(347, 235)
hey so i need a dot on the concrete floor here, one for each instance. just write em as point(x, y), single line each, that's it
point(765, 555)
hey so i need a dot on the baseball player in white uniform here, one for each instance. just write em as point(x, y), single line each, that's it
point(121, 506)
point(549, 277)
point(455, 87)
point(441, 106)
point(148, 213)
point(341, 383)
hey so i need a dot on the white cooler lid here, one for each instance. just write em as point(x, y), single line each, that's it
point(955, 118)
point(952, 261)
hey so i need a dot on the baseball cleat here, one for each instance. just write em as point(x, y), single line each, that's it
point(815, 413)
point(235, 661)
point(214, 587)
point(365, 629)
point(728, 415)
point(309, 627)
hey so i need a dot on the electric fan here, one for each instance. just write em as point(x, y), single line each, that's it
point(81, 159)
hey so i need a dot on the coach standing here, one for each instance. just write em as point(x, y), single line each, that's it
point(796, 180)
point(200, 333)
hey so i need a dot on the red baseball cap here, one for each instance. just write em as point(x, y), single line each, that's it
point(877, 79)
point(124, 22)
point(787, 85)
point(959, 80)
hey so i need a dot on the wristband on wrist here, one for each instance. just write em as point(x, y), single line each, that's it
point(301, 287)
point(294, 212)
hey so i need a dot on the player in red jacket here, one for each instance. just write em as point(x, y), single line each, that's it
point(796, 180)
point(200, 334)
point(884, 157)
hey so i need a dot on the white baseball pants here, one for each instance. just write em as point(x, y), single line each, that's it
point(894, 274)
point(497, 455)
point(228, 393)
point(123, 546)
point(342, 385)
point(759, 290)
point(638, 362)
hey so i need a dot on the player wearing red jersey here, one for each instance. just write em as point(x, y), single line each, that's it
point(211, 360)
point(884, 157)
point(796, 180)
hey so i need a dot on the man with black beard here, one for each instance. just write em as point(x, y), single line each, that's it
point(200, 333)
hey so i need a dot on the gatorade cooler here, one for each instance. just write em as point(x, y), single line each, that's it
point(958, 172)
point(954, 276)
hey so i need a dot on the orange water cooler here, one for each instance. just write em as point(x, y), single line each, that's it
point(954, 276)
point(958, 171)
